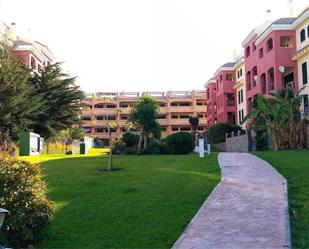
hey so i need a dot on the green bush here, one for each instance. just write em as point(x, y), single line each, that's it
point(130, 139)
point(153, 147)
point(130, 151)
point(217, 131)
point(180, 143)
point(117, 146)
point(22, 192)
point(163, 147)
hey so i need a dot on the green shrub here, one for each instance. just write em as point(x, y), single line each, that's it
point(130, 139)
point(180, 143)
point(163, 147)
point(22, 192)
point(118, 146)
point(217, 131)
point(153, 147)
point(130, 151)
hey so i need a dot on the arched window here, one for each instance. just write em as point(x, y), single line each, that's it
point(254, 76)
point(271, 79)
point(269, 44)
point(248, 79)
point(248, 51)
point(263, 82)
point(302, 35)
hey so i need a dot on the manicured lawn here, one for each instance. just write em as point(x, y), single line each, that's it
point(146, 203)
point(294, 166)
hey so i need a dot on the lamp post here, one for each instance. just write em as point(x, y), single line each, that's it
point(3, 214)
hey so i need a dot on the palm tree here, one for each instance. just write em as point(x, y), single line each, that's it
point(282, 117)
point(194, 121)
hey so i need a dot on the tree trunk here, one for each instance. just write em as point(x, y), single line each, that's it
point(110, 160)
point(139, 147)
point(145, 142)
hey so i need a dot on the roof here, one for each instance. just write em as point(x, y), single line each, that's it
point(228, 64)
point(285, 20)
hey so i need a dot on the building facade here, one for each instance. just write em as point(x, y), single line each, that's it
point(211, 100)
point(268, 63)
point(275, 56)
point(240, 90)
point(221, 101)
point(32, 53)
point(102, 109)
point(301, 56)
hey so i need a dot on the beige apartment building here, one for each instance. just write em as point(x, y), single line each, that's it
point(104, 108)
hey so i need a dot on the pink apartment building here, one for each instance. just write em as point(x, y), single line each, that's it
point(220, 96)
point(211, 100)
point(268, 64)
point(268, 67)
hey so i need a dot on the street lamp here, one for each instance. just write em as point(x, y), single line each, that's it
point(3, 214)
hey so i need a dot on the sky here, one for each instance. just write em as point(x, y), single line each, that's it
point(142, 45)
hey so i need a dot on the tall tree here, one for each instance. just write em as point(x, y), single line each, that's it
point(63, 101)
point(17, 104)
point(143, 116)
point(194, 121)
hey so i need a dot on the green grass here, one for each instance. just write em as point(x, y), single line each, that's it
point(146, 203)
point(294, 166)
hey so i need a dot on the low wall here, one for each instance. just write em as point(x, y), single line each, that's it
point(237, 142)
point(220, 147)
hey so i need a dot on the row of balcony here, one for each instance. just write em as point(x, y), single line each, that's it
point(202, 121)
point(162, 110)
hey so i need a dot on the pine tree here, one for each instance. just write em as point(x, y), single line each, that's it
point(16, 107)
point(62, 101)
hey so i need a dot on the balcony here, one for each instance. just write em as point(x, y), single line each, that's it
point(179, 121)
point(200, 108)
point(181, 109)
point(163, 122)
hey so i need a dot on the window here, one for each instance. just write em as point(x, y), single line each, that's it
point(261, 52)
point(185, 129)
point(248, 51)
point(263, 83)
point(86, 118)
point(304, 72)
point(100, 117)
point(184, 116)
point(269, 44)
point(239, 116)
point(308, 30)
point(229, 77)
point(286, 41)
point(271, 79)
point(99, 106)
point(161, 116)
point(302, 35)
point(306, 104)
point(174, 116)
point(240, 72)
point(174, 128)
point(254, 76)
point(248, 79)
point(242, 114)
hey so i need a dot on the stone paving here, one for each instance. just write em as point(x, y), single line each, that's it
point(247, 210)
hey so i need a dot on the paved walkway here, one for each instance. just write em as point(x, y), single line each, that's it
point(247, 210)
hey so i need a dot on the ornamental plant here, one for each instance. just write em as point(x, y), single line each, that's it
point(23, 193)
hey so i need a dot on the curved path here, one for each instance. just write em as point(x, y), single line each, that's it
point(248, 209)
